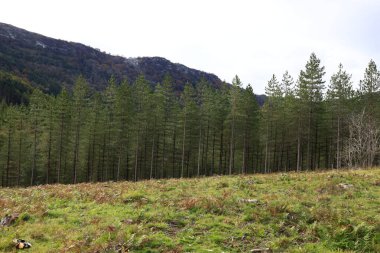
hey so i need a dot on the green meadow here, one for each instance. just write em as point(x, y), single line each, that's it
point(328, 211)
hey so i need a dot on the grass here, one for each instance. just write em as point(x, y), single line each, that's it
point(306, 212)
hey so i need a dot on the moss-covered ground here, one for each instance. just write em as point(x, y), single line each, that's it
point(333, 211)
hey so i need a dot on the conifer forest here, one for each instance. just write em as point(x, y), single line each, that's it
point(136, 131)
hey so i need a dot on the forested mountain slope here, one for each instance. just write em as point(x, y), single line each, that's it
point(51, 64)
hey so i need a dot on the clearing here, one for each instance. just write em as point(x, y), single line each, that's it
point(332, 211)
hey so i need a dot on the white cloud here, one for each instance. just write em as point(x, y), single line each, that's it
point(253, 39)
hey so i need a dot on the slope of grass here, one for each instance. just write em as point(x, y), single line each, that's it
point(336, 211)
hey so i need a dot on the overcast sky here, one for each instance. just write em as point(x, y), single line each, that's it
point(253, 39)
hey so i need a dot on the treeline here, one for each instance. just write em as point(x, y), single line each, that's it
point(13, 90)
point(136, 132)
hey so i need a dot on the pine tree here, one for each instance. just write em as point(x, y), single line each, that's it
point(221, 111)
point(369, 91)
point(9, 136)
point(37, 103)
point(287, 85)
point(234, 96)
point(371, 81)
point(80, 96)
point(205, 101)
point(166, 99)
point(49, 117)
point(124, 114)
point(271, 110)
point(310, 92)
point(20, 129)
point(311, 80)
point(338, 94)
point(160, 120)
point(288, 123)
point(63, 116)
point(188, 113)
point(110, 95)
point(250, 110)
point(141, 93)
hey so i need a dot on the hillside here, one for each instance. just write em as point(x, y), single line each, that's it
point(335, 211)
point(50, 63)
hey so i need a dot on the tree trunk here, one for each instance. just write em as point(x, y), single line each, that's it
point(8, 156)
point(299, 145)
point(19, 155)
point(127, 165)
point(75, 159)
point(136, 155)
point(256, 167)
point(103, 157)
point(232, 141)
point(88, 164)
point(183, 145)
point(61, 133)
point(243, 169)
point(188, 162)
point(213, 154)
point(199, 150)
point(282, 151)
point(174, 153)
point(156, 159)
point(221, 152)
point(152, 159)
point(287, 160)
point(308, 141)
point(266, 150)
point(315, 152)
point(34, 153)
point(48, 169)
point(143, 172)
point(76, 149)
point(326, 153)
point(119, 163)
point(206, 153)
point(337, 145)
point(275, 165)
point(164, 149)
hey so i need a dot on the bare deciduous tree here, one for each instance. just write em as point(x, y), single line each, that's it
point(363, 142)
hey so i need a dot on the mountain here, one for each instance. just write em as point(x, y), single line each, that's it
point(34, 60)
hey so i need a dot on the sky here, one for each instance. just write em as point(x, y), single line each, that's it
point(249, 38)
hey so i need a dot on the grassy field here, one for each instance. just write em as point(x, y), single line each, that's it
point(335, 211)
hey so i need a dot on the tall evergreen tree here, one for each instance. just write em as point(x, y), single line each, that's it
point(9, 136)
point(166, 100)
point(310, 92)
point(234, 97)
point(371, 81)
point(141, 91)
point(37, 103)
point(63, 117)
point(289, 120)
point(338, 94)
point(271, 111)
point(250, 110)
point(80, 96)
point(188, 114)
point(124, 107)
point(369, 89)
